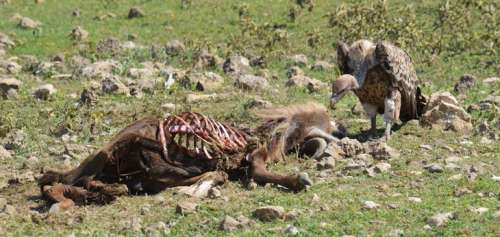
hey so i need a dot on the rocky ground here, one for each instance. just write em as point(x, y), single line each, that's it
point(72, 74)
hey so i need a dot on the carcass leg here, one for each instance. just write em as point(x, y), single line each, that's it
point(261, 175)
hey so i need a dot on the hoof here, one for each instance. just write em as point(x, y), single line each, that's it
point(304, 181)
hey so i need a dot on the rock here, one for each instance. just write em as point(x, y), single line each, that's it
point(6, 42)
point(455, 177)
point(135, 12)
point(135, 224)
point(206, 81)
point(326, 162)
point(370, 205)
point(396, 233)
point(79, 34)
point(141, 73)
point(196, 98)
point(185, 208)
point(291, 230)
point(251, 82)
point(299, 59)
point(257, 103)
point(109, 46)
point(28, 23)
point(461, 192)
point(466, 82)
point(414, 199)
point(9, 210)
point(4, 154)
point(112, 84)
point(236, 65)
point(7, 85)
point(3, 203)
point(207, 60)
point(269, 213)
point(434, 168)
point(441, 219)
point(174, 47)
point(495, 178)
point(443, 111)
point(321, 66)
point(382, 167)
point(158, 229)
point(76, 13)
point(10, 67)
point(294, 71)
point(492, 99)
point(301, 81)
point(292, 215)
point(14, 140)
point(492, 81)
point(496, 215)
point(382, 151)
point(43, 92)
point(251, 185)
point(147, 85)
point(88, 96)
point(100, 69)
point(351, 147)
point(229, 224)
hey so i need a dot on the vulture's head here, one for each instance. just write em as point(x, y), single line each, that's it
point(341, 87)
point(356, 59)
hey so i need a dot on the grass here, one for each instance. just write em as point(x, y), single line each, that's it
point(470, 47)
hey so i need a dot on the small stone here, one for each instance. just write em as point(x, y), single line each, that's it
point(382, 151)
point(229, 224)
point(174, 47)
point(185, 208)
point(9, 210)
point(426, 147)
point(294, 71)
point(236, 65)
point(4, 154)
point(88, 97)
point(496, 215)
point(351, 147)
point(28, 23)
point(434, 168)
point(396, 233)
point(492, 81)
point(479, 210)
point(325, 163)
point(382, 167)
point(495, 178)
point(112, 84)
point(466, 82)
point(414, 199)
point(159, 199)
point(135, 12)
point(455, 177)
point(441, 219)
point(461, 192)
point(3, 203)
point(135, 224)
point(251, 82)
point(370, 205)
point(291, 230)
point(79, 34)
point(44, 92)
point(269, 213)
point(321, 66)
point(299, 59)
point(292, 215)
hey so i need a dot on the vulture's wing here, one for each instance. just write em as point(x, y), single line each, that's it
point(343, 58)
point(399, 67)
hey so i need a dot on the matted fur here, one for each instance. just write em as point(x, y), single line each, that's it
point(285, 128)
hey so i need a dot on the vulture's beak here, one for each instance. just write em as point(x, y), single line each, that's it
point(333, 100)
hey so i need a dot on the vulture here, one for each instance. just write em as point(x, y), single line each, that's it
point(383, 78)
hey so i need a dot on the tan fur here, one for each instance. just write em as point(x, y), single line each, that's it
point(287, 127)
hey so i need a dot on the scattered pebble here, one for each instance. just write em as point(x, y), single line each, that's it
point(186, 207)
point(269, 213)
point(370, 205)
point(434, 168)
point(479, 210)
point(291, 230)
point(441, 219)
point(461, 192)
point(415, 199)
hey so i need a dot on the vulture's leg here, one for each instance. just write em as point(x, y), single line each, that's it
point(261, 175)
point(392, 105)
point(371, 111)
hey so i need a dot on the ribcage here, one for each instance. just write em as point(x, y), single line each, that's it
point(201, 136)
